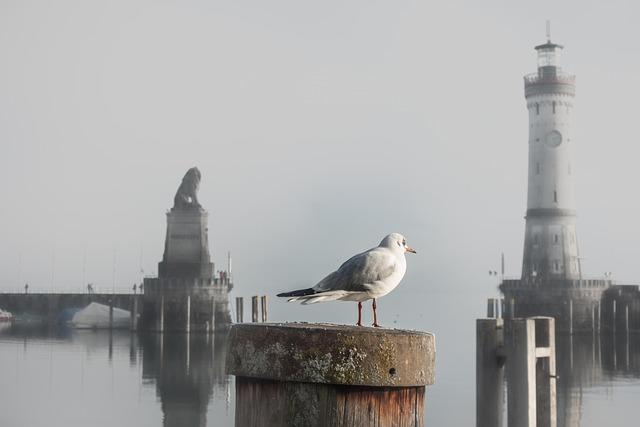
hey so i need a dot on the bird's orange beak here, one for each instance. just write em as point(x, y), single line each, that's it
point(410, 249)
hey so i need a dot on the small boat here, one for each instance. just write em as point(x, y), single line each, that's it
point(5, 316)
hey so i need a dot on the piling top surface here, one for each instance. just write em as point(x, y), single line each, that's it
point(332, 354)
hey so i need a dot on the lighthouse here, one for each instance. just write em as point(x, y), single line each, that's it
point(552, 281)
point(551, 242)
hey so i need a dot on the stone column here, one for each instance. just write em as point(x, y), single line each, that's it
point(160, 314)
point(212, 321)
point(134, 313)
point(187, 326)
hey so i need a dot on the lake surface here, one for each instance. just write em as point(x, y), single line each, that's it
point(97, 378)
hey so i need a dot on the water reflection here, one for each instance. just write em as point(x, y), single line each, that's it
point(188, 370)
point(144, 380)
point(590, 361)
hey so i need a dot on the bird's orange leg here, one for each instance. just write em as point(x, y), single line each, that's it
point(359, 314)
point(375, 317)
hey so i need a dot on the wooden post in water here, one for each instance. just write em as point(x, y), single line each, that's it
point(187, 326)
point(239, 309)
point(263, 306)
point(531, 372)
point(489, 372)
point(316, 375)
point(254, 309)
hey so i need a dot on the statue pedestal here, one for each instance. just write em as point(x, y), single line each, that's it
point(186, 250)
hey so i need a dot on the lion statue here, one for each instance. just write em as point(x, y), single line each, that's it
point(187, 194)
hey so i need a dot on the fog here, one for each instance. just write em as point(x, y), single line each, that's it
point(319, 127)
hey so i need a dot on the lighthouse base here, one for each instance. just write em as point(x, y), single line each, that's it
point(575, 304)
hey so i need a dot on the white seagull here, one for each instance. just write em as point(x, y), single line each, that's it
point(368, 275)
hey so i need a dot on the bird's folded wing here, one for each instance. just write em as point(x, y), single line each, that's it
point(358, 271)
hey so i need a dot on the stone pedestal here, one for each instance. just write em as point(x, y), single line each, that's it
point(186, 248)
point(186, 297)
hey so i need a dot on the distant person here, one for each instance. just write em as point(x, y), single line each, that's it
point(26, 288)
point(134, 288)
point(89, 288)
point(140, 287)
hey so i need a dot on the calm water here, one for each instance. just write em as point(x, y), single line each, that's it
point(78, 378)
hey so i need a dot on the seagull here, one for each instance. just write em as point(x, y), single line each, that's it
point(368, 275)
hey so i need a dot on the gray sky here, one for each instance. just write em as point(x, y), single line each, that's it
point(319, 127)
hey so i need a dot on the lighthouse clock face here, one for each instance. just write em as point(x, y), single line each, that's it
point(553, 139)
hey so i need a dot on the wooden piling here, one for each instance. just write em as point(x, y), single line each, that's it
point(254, 309)
point(317, 374)
point(489, 372)
point(263, 306)
point(239, 309)
point(531, 372)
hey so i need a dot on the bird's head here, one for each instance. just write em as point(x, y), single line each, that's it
point(396, 242)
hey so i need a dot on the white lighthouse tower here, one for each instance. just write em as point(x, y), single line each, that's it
point(551, 243)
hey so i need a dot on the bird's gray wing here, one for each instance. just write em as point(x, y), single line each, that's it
point(359, 270)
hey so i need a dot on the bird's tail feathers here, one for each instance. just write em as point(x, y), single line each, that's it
point(298, 293)
point(319, 297)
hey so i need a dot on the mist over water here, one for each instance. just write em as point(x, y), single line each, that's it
point(318, 128)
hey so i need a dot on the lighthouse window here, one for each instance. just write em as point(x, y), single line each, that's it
point(555, 196)
point(556, 265)
point(555, 238)
point(554, 107)
point(537, 108)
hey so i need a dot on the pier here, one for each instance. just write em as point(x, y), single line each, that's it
point(48, 306)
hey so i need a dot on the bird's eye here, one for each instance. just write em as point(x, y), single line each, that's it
point(399, 244)
point(404, 242)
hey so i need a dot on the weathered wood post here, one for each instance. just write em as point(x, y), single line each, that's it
point(489, 372)
point(254, 309)
point(263, 305)
point(311, 375)
point(531, 372)
point(239, 309)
